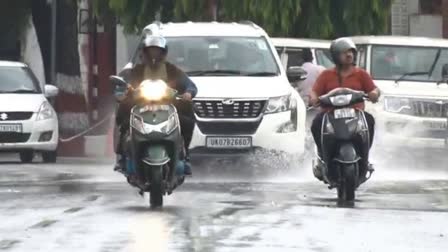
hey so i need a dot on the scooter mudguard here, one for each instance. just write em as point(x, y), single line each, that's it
point(156, 155)
point(347, 154)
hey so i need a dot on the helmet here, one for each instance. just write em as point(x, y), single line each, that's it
point(341, 45)
point(155, 41)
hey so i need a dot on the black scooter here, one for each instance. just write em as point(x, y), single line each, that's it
point(345, 144)
point(154, 146)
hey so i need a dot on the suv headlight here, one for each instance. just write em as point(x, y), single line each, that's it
point(279, 104)
point(397, 105)
point(46, 111)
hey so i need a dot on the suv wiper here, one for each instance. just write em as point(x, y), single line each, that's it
point(212, 72)
point(262, 74)
point(410, 74)
point(22, 91)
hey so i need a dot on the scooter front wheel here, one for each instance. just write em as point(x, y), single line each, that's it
point(156, 190)
point(347, 187)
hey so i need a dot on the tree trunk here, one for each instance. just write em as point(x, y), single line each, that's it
point(71, 103)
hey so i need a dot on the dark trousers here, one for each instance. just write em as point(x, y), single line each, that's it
point(316, 129)
point(186, 120)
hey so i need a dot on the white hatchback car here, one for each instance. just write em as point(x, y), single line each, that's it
point(28, 122)
point(245, 101)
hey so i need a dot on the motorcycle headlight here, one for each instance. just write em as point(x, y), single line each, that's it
point(397, 105)
point(341, 100)
point(46, 111)
point(153, 90)
point(279, 104)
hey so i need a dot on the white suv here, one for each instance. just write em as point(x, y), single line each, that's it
point(410, 73)
point(245, 101)
point(28, 122)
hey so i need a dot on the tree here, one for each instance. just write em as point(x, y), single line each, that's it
point(294, 18)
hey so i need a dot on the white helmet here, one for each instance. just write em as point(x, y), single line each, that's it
point(155, 41)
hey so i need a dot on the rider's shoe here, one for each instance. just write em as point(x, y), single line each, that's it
point(187, 169)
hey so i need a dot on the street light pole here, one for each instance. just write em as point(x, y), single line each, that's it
point(53, 42)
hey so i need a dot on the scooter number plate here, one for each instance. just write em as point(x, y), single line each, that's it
point(344, 113)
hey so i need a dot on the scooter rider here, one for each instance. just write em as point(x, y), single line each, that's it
point(156, 67)
point(345, 75)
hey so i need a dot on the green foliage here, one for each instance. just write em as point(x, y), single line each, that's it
point(14, 17)
point(294, 18)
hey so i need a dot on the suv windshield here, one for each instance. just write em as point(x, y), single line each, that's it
point(230, 56)
point(18, 80)
point(403, 62)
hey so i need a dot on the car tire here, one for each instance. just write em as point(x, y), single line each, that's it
point(49, 157)
point(26, 156)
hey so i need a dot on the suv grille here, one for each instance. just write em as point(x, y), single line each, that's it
point(430, 109)
point(15, 116)
point(228, 128)
point(11, 137)
point(234, 109)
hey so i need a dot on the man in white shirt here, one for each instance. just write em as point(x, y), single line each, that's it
point(313, 72)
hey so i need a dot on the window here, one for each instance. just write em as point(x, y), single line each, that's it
point(18, 80)
point(430, 7)
point(323, 58)
point(362, 53)
point(294, 57)
point(222, 55)
point(417, 63)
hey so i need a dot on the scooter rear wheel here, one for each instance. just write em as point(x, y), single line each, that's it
point(156, 192)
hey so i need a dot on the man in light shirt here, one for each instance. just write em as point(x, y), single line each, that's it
point(313, 71)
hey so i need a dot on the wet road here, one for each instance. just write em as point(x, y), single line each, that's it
point(84, 206)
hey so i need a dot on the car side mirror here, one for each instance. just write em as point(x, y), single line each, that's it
point(296, 74)
point(50, 91)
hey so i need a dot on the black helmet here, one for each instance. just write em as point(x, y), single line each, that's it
point(341, 45)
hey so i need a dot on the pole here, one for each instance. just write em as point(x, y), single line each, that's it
point(53, 42)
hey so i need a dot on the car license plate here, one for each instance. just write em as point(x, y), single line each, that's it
point(229, 142)
point(11, 128)
point(344, 113)
point(437, 125)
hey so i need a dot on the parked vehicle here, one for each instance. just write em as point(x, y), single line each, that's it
point(409, 72)
point(345, 144)
point(245, 102)
point(290, 51)
point(154, 146)
point(28, 122)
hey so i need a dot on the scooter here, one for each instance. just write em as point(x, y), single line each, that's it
point(153, 145)
point(345, 144)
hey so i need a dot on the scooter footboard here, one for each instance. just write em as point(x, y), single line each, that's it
point(347, 154)
point(156, 155)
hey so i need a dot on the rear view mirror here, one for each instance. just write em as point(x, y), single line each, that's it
point(117, 81)
point(296, 73)
point(50, 91)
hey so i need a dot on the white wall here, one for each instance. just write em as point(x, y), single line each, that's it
point(126, 45)
point(426, 26)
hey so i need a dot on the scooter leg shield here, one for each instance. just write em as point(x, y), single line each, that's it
point(347, 154)
point(156, 155)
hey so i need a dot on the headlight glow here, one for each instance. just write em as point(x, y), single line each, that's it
point(397, 105)
point(45, 111)
point(279, 104)
point(153, 90)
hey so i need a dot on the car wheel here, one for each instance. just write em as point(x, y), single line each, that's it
point(26, 156)
point(49, 156)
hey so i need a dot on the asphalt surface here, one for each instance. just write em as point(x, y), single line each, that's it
point(81, 205)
